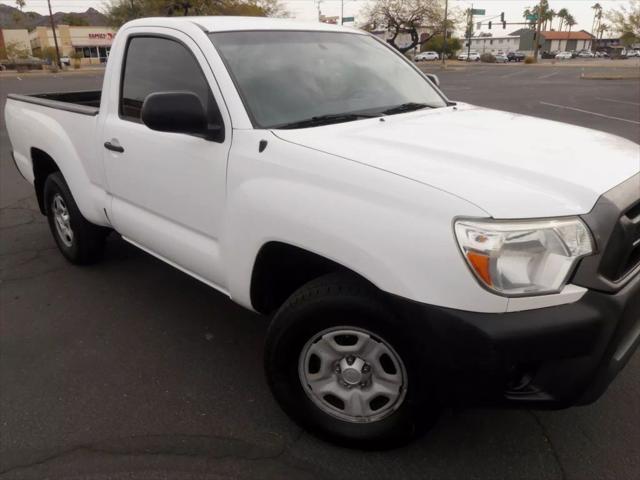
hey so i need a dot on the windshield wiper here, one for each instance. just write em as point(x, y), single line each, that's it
point(405, 107)
point(326, 120)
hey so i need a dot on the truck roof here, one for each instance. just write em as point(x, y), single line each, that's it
point(228, 24)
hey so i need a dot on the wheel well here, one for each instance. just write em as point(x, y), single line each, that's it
point(280, 269)
point(43, 166)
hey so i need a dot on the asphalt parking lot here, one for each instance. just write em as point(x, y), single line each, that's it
point(131, 369)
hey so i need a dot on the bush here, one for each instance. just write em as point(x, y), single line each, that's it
point(487, 58)
point(77, 58)
point(528, 59)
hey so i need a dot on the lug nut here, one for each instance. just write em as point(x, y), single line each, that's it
point(363, 384)
point(337, 369)
point(366, 368)
point(351, 359)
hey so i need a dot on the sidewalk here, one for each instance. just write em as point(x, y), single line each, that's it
point(90, 69)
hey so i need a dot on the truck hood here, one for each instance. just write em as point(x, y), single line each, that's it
point(509, 165)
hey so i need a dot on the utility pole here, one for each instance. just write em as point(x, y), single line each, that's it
point(55, 37)
point(536, 36)
point(444, 35)
point(469, 32)
point(341, 12)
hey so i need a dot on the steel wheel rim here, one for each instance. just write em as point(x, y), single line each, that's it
point(352, 374)
point(62, 220)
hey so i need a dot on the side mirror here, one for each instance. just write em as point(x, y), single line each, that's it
point(177, 112)
point(433, 78)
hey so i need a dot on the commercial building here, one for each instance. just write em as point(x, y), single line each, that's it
point(93, 43)
point(507, 43)
point(556, 41)
point(14, 40)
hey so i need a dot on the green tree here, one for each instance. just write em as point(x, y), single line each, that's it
point(407, 17)
point(626, 22)
point(436, 44)
point(21, 4)
point(119, 12)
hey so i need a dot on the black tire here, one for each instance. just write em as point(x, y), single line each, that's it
point(338, 300)
point(87, 243)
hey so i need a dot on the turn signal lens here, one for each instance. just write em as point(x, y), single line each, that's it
point(516, 258)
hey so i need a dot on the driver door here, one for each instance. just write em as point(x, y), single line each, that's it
point(168, 189)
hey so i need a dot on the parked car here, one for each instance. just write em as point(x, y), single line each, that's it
point(65, 61)
point(602, 54)
point(422, 56)
point(563, 56)
point(516, 56)
point(501, 58)
point(586, 54)
point(395, 281)
point(633, 53)
point(472, 57)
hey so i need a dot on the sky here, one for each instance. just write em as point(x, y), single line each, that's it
point(308, 9)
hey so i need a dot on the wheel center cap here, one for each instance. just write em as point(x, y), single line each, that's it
point(352, 376)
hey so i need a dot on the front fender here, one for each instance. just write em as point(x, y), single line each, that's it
point(395, 232)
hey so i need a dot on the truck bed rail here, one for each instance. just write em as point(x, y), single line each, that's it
point(84, 102)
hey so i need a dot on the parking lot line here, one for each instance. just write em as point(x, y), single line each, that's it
point(565, 107)
point(548, 75)
point(513, 74)
point(617, 101)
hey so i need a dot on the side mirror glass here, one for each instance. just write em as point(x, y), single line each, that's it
point(177, 112)
point(433, 78)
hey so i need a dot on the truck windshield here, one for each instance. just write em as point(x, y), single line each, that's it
point(295, 79)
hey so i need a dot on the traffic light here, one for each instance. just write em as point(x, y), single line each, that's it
point(502, 17)
point(489, 24)
point(504, 25)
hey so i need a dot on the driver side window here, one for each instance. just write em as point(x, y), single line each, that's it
point(157, 64)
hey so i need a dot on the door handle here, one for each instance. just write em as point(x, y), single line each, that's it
point(113, 148)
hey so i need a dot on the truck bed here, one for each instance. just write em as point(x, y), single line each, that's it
point(85, 102)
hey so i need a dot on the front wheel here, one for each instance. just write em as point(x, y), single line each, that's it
point(340, 364)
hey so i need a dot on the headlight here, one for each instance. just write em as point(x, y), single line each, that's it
point(515, 258)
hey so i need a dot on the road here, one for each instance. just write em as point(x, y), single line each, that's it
point(131, 369)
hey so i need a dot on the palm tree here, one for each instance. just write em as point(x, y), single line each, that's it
point(603, 27)
point(21, 4)
point(551, 15)
point(562, 15)
point(594, 24)
point(570, 22)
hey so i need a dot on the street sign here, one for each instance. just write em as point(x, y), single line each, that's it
point(532, 18)
point(348, 19)
point(478, 11)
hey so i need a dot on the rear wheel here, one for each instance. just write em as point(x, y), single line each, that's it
point(339, 363)
point(80, 241)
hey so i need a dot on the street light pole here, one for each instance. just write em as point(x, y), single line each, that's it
point(341, 12)
point(55, 37)
point(536, 46)
point(470, 32)
point(444, 37)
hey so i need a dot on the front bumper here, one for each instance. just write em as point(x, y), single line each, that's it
point(552, 357)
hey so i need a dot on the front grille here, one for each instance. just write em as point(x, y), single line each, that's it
point(622, 254)
point(614, 222)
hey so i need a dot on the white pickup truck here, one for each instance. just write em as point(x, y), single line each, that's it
point(408, 260)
